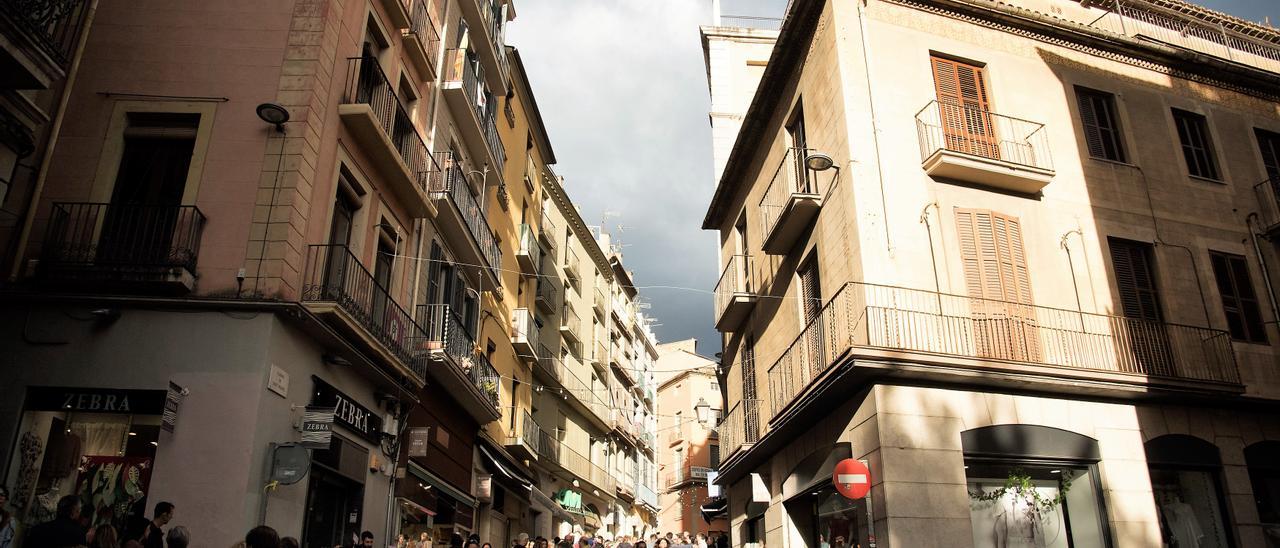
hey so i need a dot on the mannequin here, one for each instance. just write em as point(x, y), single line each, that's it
point(1184, 528)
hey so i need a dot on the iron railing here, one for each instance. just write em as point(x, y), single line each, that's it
point(547, 233)
point(121, 237)
point(485, 376)
point(495, 26)
point(686, 474)
point(740, 427)
point(483, 103)
point(571, 264)
point(790, 179)
point(524, 329)
point(529, 247)
point(334, 274)
point(424, 28)
point(570, 320)
point(878, 316)
point(368, 85)
point(527, 431)
point(54, 25)
point(601, 304)
point(548, 291)
point(1268, 194)
point(969, 130)
point(737, 279)
point(574, 386)
point(1141, 18)
point(448, 337)
point(452, 185)
point(548, 446)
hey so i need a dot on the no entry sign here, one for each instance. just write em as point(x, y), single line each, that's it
point(852, 478)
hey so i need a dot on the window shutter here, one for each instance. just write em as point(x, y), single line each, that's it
point(991, 252)
point(945, 81)
point(1135, 279)
point(1089, 120)
point(1269, 144)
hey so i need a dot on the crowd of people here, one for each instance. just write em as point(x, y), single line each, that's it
point(580, 540)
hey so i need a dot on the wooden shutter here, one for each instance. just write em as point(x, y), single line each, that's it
point(1269, 144)
point(1239, 302)
point(1135, 279)
point(991, 252)
point(963, 107)
point(811, 303)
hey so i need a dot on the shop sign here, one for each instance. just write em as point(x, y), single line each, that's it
point(347, 412)
point(172, 401)
point(419, 439)
point(278, 381)
point(852, 478)
point(96, 400)
point(317, 427)
point(484, 487)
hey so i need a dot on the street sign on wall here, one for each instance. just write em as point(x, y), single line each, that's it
point(852, 478)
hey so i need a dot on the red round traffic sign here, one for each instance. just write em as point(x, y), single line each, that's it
point(852, 478)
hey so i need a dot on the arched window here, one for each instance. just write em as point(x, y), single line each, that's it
point(1185, 474)
point(1263, 460)
point(1033, 486)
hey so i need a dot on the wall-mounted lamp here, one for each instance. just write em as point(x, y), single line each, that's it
point(273, 114)
point(819, 162)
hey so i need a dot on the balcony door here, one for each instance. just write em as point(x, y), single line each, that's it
point(139, 226)
point(811, 313)
point(1142, 344)
point(337, 286)
point(964, 108)
point(1000, 310)
point(798, 140)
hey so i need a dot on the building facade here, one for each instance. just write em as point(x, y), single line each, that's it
point(1014, 257)
point(241, 219)
point(692, 406)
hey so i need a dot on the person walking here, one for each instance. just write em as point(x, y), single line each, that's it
point(154, 537)
point(105, 536)
point(366, 539)
point(63, 531)
point(262, 537)
point(290, 542)
point(177, 537)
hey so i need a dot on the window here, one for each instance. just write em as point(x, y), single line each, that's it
point(964, 106)
point(1135, 279)
point(1269, 144)
point(1100, 123)
point(714, 459)
point(995, 271)
point(1197, 147)
point(1263, 461)
point(1239, 302)
point(797, 139)
point(1185, 474)
point(811, 310)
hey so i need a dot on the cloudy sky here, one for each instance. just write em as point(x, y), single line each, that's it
point(623, 92)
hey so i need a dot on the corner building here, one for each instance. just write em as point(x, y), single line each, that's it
point(975, 243)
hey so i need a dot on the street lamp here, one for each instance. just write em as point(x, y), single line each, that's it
point(703, 411)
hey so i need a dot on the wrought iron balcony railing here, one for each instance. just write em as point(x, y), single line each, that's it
point(571, 265)
point(97, 240)
point(482, 103)
point(368, 85)
point(940, 324)
point(334, 274)
point(790, 201)
point(740, 427)
point(53, 25)
point(449, 338)
point(601, 304)
point(968, 130)
point(735, 292)
point(527, 432)
point(453, 187)
point(422, 27)
point(549, 288)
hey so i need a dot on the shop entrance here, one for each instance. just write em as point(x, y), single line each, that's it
point(835, 521)
point(335, 495)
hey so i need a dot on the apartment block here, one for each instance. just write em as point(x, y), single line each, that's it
point(241, 220)
point(1013, 257)
point(692, 407)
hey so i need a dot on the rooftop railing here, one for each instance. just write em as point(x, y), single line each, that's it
point(1224, 39)
point(969, 130)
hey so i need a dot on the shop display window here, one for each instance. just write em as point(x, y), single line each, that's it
point(837, 522)
point(1263, 460)
point(1190, 508)
point(1019, 504)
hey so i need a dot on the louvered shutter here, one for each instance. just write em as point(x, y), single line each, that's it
point(1089, 116)
point(1135, 279)
point(1269, 144)
point(963, 107)
point(992, 255)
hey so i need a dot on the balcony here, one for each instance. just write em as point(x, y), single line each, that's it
point(379, 123)
point(686, 475)
point(459, 369)
point(600, 354)
point(486, 20)
point(548, 295)
point(984, 148)
point(1268, 194)
point(525, 333)
point(474, 110)
point(956, 336)
point(600, 304)
point(790, 203)
point(740, 427)
point(647, 497)
point(1227, 40)
point(524, 441)
point(621, 362)
point(397, 13)
point(735, 293)
point(129, 247)
point(570, 323)
point(529, 255)
point(37, 41)
point(342, 292)
point(422, 42)
point(547, 233)
point(463, 222)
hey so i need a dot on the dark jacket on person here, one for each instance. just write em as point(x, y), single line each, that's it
point(59, 533)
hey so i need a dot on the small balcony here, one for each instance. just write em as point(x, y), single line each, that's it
point(571, 266)
point(600, 304)
point(129, 247)
point(570, 323)
point(790, 203)
point(976, 146)
point(529, 255)
point(1268, 194)
point(474, 109)
point(487, 20)
point(548, 296)
point(525, 333)
point(735, 293)
point(1002, 343)
point(547, 234)
point(340, 290)
point(647, 497)
point(621, 362)
point(459, 369)
point(422, 41)
point(740, 427)
point(383, 129)
point(463, 222)
point(600, 354)
point(686, 475)
point(38, 38)
point(397, 13)
point(524, 441)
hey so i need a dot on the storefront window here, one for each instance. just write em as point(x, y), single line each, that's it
point(838, 522)
point(1263, 460)
point(1184, 479)
point(1015, 505)
point(96, 444)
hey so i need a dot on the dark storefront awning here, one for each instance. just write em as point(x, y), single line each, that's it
point(505, 470)
point(715, 508)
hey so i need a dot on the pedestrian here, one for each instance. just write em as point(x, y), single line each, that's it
point(640, 544)
point(262, 537)
point(366, 539)
point(178, 537)
point(566, 542)
point(722, 541)
point(154, 535)
point(662, 543)
point(64, 530)
point(7, 528)
point(702, 540)
point(105, 536)
point(522, 539)
point(486, 545)
point(289, 542)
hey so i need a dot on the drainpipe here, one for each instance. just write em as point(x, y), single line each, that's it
point(933, 258)
point(1266, 273)
point(55, 131)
